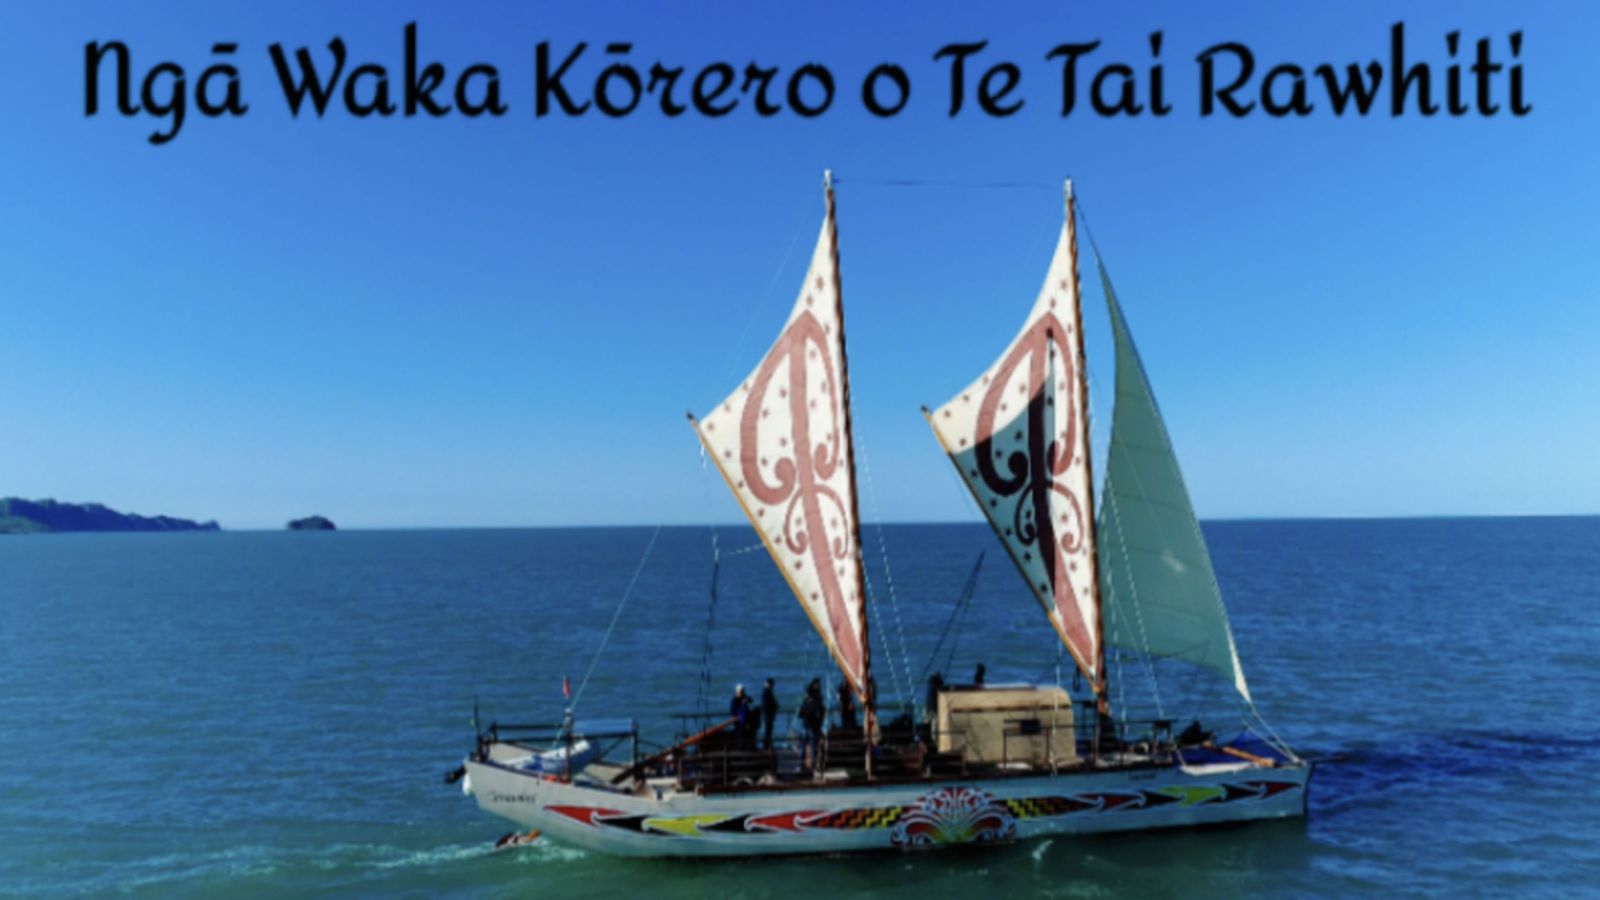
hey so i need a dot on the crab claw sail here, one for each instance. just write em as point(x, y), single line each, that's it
point(1019, 438)
point(782, 442)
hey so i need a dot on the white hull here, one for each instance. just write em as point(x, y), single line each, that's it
point(849, 818)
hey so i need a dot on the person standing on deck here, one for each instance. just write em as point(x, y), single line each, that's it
point(769, 713)
point(847, 706)
point(739, 711)
point(812, 714)
point(977, 677)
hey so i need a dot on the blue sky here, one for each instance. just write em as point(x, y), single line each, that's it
point(413, 322)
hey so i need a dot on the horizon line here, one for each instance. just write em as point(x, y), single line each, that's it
point(926, 522)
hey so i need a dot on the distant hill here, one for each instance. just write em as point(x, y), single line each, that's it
point(312, 523)
point(18, 516)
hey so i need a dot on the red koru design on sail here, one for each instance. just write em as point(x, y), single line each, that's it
point(1033, 471)
point(810, 460)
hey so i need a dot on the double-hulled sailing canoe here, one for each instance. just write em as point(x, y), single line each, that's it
point(982, 764)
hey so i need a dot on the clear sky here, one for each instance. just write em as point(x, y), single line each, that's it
point(414, 322)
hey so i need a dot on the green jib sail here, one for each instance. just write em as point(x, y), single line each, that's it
point(1157, 586)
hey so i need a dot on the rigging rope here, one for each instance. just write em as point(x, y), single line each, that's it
point(918, 182)
point(703, 688)
point(963, 603)
point(765, 298)
point(615, 618)
point(888, 576)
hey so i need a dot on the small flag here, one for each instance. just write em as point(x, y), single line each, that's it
point(566, 688)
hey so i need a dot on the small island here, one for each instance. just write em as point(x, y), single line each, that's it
point(18, 516)
point(312, 523)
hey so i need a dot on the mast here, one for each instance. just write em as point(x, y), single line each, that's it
point(782, 442)
point(1018, 438)
point(868, 700)
point(1102, 695)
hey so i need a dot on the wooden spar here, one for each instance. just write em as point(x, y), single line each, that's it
point(1241, 754)
point(1101, 694)
point(681, 745)
point(868, 695)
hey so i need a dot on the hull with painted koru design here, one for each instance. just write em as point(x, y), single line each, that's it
point(822, 818)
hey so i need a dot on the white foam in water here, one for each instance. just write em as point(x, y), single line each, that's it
point(544, 851)
point(1038, 852)
point(437, 855)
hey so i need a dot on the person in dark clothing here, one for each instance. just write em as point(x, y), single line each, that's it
point(935, 685)
point(739, 710)
point(769, 713)
point(812, 715)
point(930, 715)
point(977, 677)
point(847, 706)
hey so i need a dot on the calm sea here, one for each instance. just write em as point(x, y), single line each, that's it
point(271, 713)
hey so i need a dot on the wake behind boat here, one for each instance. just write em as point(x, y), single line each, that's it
point(975, 763)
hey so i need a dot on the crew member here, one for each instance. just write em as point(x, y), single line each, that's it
point(935, 685)
point(739, 711)
point(769, 713)
point(812, 714)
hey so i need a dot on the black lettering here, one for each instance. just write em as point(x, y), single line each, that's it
point(1452, 92)
point(1483, 69)
point(1518, 107)
point(419, 89)
point(1363, 91)
point(602, 85)
point(173, 105)
point(1298, 104)
point(1210, 94)
point(548, 84)
point(754, 73)
point(491, 93)
point(233, 102)
point(705, 99)
point(658, 73)
point(1401, 78)
point(93, 52)
point(1125, 104)
point(1069, 71)
point(295, 90)
point(869, 90)
point(990, 98)
point(1158, 105)
point(378, 102)
point(821, 76)
point(958, 54)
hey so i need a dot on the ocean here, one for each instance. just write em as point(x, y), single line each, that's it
point(271, 714)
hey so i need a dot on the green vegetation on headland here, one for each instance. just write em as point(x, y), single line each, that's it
point(18, 516)
point(312, 523)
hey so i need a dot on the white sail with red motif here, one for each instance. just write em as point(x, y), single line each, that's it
point(1019, 438)
point(782, 442)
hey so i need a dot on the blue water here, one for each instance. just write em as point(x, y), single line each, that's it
point(262, 713)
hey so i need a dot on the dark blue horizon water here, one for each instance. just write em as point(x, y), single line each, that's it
point(269, 713)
